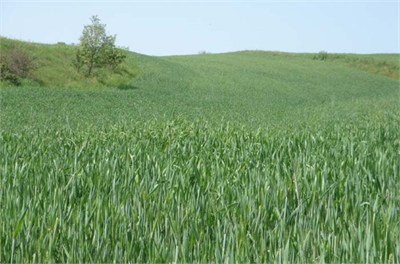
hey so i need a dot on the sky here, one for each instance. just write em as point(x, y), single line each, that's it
point(189, 27)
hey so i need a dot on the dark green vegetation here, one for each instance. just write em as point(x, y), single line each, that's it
point(248, 156)
point(15, 65)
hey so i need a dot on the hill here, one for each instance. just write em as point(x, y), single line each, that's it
point(240, 157)
point(251, 87)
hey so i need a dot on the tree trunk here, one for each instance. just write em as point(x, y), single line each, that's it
point(91, 63)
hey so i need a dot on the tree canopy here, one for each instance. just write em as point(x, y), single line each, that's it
point(97, 49)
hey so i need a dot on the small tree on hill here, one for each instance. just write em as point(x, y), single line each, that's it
point(97, 49)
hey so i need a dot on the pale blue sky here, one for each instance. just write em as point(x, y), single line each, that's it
point(180, 27)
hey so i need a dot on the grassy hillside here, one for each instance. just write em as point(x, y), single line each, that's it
point(240, 157)
point(252, 88)
point(55, 66)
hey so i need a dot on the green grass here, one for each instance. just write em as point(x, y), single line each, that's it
point(256, 88)
point(238, 157)
point(55, 67)
point(161, 192)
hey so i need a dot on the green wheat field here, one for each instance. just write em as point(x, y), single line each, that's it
point(249, 156)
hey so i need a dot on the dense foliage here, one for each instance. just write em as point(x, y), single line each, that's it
point(15, 65)
point(97, 49)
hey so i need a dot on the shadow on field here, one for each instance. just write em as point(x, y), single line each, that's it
point(127, 87)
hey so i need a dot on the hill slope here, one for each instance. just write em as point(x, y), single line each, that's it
point(252, 88)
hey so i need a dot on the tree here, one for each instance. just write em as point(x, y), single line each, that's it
point(97, 49)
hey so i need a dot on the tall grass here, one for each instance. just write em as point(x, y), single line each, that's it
point(188, 191)
point(241, 157)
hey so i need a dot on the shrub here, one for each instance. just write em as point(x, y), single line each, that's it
point(15, 65)
point(322, 55)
